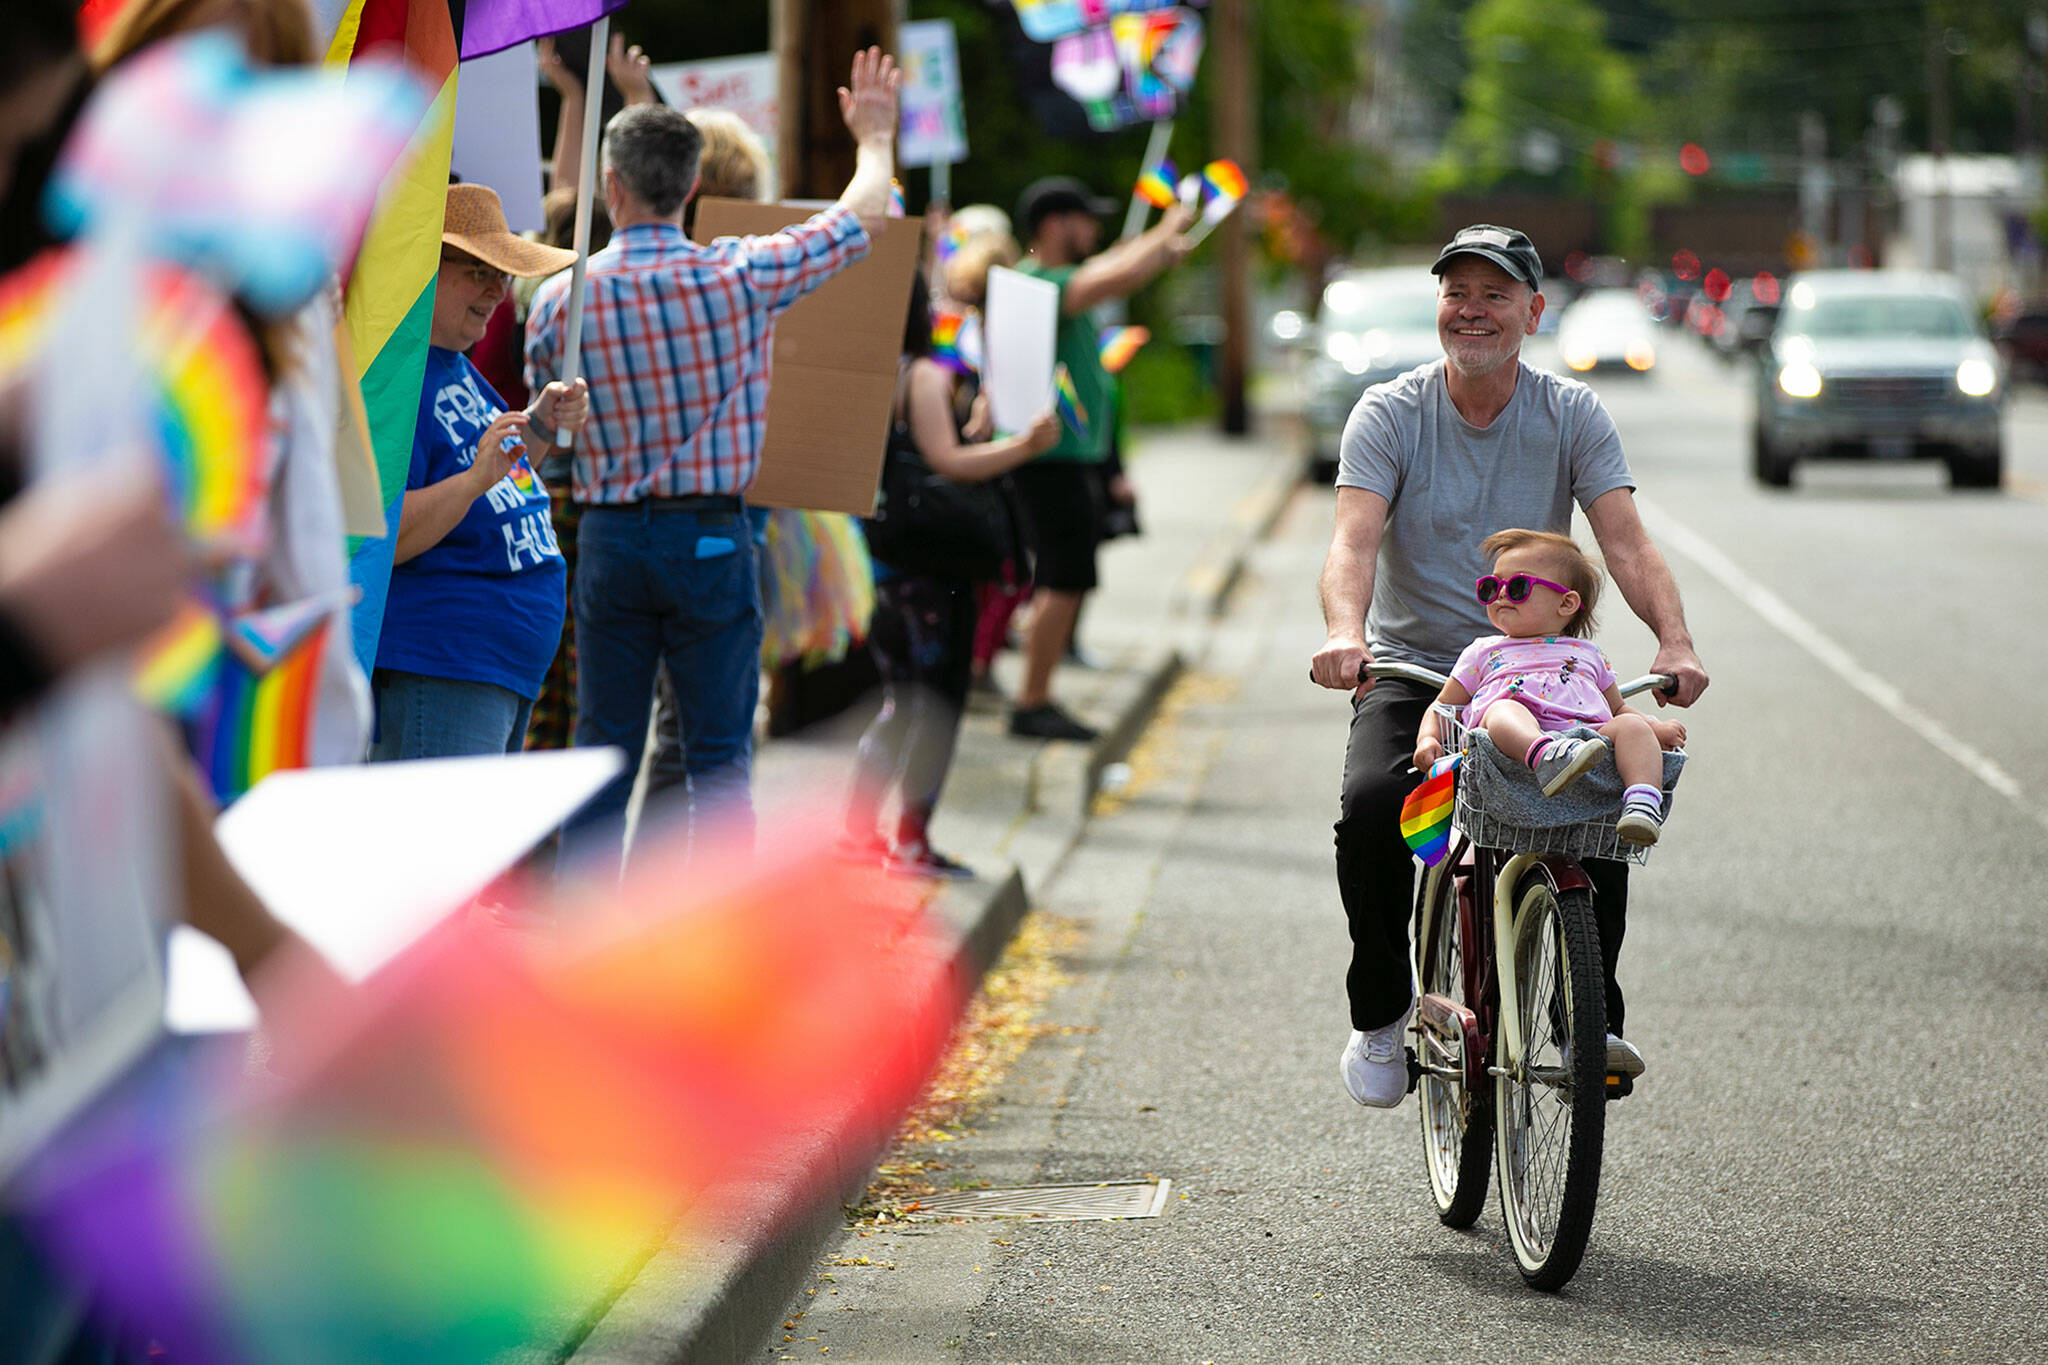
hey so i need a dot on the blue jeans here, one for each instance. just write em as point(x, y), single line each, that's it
point(423, 717)
point(663, 584)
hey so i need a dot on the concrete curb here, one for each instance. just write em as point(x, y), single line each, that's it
point(696, 1304)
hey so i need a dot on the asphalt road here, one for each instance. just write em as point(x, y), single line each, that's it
point(1837, 966)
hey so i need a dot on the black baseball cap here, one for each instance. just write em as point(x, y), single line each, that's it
point(1507, 248)
point(1057, 194)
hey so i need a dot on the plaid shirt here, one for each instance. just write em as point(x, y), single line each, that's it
point(676, 341)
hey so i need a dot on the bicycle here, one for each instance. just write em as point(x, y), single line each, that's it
point(1510, 1019)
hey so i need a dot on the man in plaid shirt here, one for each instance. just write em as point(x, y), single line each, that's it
point(676, 342)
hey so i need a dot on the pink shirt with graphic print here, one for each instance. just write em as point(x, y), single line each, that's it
point(1561, 679)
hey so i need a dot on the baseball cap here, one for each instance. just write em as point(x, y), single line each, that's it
point(1507, 248)
point(1057, 194)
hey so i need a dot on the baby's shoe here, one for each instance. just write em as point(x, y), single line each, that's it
point(1565, 761)
point(1641, 822)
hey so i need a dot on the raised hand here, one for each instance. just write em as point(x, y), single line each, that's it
point(628, 69)
point(868, 101)
point(567, 83)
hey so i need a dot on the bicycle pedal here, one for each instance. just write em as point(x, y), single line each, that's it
point(1414, 1069)
point(1619, 1085)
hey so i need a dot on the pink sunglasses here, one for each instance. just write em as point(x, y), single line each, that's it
point(1515, 587)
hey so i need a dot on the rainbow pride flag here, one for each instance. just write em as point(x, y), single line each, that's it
point(1426, 814)
point(1225, 180)
point(255, 724)
point(389, 305)
point(1156, 185)
point(1069, 402)
point(1119, 344)
point(947, 327)
point(176, 667)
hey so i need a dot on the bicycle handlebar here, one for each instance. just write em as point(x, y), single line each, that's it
point(1428, 677)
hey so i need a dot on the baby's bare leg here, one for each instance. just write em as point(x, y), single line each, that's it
point(1636, 752)
point(1512, 728)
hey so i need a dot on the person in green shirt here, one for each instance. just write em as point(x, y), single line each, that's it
point(1057, 217)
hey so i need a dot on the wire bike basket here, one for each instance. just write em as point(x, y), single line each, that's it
point(1500, 806)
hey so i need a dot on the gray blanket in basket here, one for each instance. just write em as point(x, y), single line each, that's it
point(1509, 792)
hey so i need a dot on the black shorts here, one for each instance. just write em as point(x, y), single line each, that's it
point(1061, 502)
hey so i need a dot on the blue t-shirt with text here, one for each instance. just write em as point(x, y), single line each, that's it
point(486, 604)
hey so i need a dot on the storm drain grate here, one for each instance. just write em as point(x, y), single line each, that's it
point(1053, 1203)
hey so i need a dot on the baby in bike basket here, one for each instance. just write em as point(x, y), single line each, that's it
point(1543, 675)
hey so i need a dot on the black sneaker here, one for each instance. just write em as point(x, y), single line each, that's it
point(922, 860)
point(1049, 722)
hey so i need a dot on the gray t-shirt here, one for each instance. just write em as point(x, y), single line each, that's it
point(1449, 485)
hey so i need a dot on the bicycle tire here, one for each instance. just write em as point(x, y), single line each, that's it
point(1550, 1114)
point(1457, 1121)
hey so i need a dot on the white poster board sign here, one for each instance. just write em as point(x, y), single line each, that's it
point(746, 86)
point(1020, 338)
point(934, 127)
point(497, 132)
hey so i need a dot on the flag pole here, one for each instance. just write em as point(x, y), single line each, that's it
point(1155, 155)
point(586, 178)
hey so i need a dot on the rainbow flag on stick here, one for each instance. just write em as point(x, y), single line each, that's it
point(390, 300)
point(1426, 814)
point(1069, 402)
point(1119, 344)
point(1156, 186)
point(256, 724)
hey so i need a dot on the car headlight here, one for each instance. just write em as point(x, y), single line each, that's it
point(1800, 379)
point(1977, 377)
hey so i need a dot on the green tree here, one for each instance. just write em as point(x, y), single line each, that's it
point(1546, 100)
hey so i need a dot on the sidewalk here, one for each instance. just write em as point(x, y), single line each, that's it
point(1012, 809)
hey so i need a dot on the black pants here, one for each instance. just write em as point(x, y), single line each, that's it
point(1375, 871)
point(922, 640)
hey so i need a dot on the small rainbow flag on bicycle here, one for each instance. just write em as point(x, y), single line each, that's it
point(1426, 814)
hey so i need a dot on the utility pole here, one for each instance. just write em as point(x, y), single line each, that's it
point(814, 42)
point(1236, 100)
point(1939, 117)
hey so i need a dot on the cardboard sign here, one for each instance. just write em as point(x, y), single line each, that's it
point(1020, 338)
point(837, 353)
point(934, 127)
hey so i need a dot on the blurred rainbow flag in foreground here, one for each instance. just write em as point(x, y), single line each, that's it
point(476, 1146)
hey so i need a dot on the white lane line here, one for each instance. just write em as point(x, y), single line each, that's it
point(1833, 656)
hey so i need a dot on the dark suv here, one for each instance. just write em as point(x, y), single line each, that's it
point(1879, 364)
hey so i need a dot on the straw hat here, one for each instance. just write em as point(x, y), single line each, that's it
point(476, 223)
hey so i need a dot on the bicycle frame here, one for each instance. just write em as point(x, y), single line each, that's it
point(1489, 970)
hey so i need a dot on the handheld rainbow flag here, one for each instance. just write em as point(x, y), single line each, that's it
point(948, 328)
point(1426, 814)
point(1119, 344)
point(257, 724)
point(1156, 185)
point(209, 410)
point(176, 668)
point(1069, 402)
point(263, 638)
point(1224, 180)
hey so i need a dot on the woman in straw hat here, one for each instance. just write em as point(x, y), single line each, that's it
point(476, 599)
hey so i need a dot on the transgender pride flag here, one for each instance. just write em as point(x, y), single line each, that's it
point(492, 25)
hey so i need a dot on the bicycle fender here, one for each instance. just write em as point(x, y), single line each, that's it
point(1564, 874)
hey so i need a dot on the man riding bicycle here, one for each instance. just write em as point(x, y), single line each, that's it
point(1430, 465)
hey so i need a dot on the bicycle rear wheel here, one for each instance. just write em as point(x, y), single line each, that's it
point(1457, 1120)
point(1551, 1112)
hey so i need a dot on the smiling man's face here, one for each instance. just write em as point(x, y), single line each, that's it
point(1482, 314)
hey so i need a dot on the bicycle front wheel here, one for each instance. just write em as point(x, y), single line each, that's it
point(1551, 1109)
point(1457, 1120)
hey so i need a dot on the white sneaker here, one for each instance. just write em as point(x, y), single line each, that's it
point(1568, 760)
point(1375, 1064)
point(1622, 1057)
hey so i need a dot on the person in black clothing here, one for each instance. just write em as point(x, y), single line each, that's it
point(922, 636)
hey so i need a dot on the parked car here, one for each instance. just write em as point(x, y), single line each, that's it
point(1373, 326)
point(2023, 340)
point(1607, 328)
point(1879, 364)
point(1746, 323)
